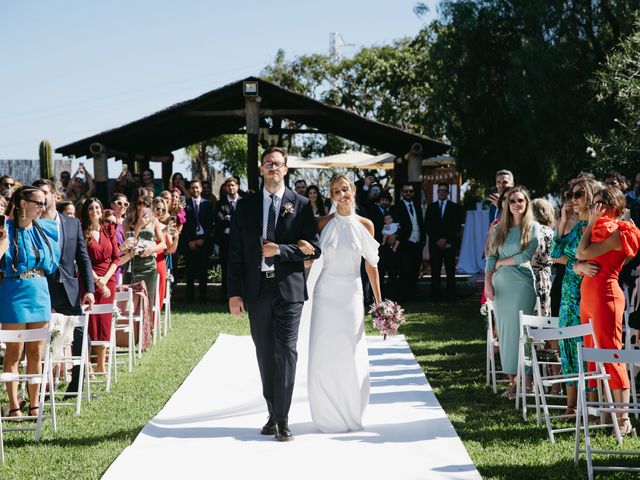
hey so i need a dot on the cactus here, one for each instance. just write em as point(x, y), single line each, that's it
point(46, 160)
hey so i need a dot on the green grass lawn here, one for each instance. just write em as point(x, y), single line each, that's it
point(447, 339)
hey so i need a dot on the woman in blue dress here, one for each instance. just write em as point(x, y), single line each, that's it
point(29, 250)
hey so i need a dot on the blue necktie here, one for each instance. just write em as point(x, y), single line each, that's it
point(271, 228)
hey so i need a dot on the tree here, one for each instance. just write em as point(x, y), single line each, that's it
point(619, 84)
point(226, 153)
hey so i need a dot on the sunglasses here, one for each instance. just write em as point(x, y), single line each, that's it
point(407, 191)
point(142, 202)
point(120, 203)
point(599, 202)
point(574, 195)
point(38, 204)
point(160, 209)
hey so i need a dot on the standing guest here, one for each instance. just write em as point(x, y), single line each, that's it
point(316, 200)
point(29, 251)
point(178, 206)
point(541, 262)
point(149, 183)
point(559, 264)
point(412, 239)
point(266, 276)
point(208, 195)
point(442, 224)
point(300, 187)
point(3, 206)
point(7, 185)
point(66, 207)
point(225, 210)
point(64, 287)
point(63, 182)
point(177, 181)
point(119, 206)
point(104, 254)
point(564, 248)
point(504, 181)
point(168, 200)
point(614, 179)
point(610, 243)
point(197, 235)
point(508, 279)
point(124, 182)
point(143, 238)
point(377, 213)
point(160, 212)
point(633, 200)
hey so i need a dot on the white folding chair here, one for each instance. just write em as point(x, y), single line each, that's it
point(541, 382)
point(155, 313)
point(530, 321)
point(43, 378)
point(586, 408)
point(631, 305)
point(123, 323)
point(492, 344)
point(167, 304)
point(101, 309)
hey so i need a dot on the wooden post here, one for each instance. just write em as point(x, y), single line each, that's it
point(253, 130)
point(167, 171)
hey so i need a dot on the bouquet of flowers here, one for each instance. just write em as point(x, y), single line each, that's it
point(387, 317)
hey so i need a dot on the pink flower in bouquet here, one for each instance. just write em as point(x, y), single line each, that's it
point(387, 317)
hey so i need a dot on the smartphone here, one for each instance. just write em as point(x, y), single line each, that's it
point(173, 219)
point(183, 201)
point(3, 221)
point(145, 212)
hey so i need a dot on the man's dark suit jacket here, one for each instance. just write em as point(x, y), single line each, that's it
point(74, 254)
point(245, 247)
point(376, 215)
point(205, 216)
point(405, 221)
point(222, 220)
point(447, 227)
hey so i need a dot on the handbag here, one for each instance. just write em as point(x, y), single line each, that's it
point(548, 355)
point(634, 319)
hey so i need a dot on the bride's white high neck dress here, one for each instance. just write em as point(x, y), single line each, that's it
point(338, 374)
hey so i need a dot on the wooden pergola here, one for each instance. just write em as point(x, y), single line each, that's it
point(254, 107)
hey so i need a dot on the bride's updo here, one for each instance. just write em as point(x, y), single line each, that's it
point(335, 179)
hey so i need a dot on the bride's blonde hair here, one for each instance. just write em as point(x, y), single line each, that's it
point(335, 179)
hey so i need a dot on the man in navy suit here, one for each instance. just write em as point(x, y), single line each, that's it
point(442, 224)
point(266, 276)
point(197, 233)
point(64, 288)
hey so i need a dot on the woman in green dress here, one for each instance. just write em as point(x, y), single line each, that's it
point(143, 235)
point(509, 279)
point(563, 250)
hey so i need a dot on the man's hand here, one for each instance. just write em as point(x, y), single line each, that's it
point(270, 249)
point(236, 306)
point(494, 198)
point(88, 300)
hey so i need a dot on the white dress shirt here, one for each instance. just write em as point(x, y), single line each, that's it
point(415, 229)
point(266, 203)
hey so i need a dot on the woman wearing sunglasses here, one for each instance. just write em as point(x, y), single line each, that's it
point(563, 250)
point(509, 279)
point(119, 206)
point(28, 252)
point(610, 243)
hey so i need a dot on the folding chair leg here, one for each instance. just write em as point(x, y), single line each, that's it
point(1, 444)
point(634, 395)
point(52, 397)
point(488, 360)
point(579, 417)
point(614, 416)
point(493, 370)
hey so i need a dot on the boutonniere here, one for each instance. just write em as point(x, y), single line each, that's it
point(287, 209)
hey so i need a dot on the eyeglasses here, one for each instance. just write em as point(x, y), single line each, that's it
point(574, 195)
point(407, 191)
point(120, 203)
point(273, 166)
point(160, 209)
point(142, 202)
point(38, 204)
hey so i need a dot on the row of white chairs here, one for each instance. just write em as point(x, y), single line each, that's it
point(123, 323)
point(537, 331)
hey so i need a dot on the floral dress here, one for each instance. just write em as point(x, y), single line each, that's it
point(541, 264)
point(570, 302)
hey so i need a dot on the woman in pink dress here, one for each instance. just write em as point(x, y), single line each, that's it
point(102, 247)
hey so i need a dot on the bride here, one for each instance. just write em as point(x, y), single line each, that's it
point(338, 375)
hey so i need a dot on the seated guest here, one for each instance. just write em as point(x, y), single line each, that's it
point(104, 254)
point(28, 251)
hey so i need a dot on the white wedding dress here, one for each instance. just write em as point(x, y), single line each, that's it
point(338, 371)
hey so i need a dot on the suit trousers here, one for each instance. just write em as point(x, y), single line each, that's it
point(274, 329)
point(410, 260)
point(438, 256)
point(197, 263)
point(60, 304)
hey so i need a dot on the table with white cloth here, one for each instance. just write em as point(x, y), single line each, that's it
point(474, 236)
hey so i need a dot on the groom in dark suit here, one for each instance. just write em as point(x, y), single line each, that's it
point(266, 276)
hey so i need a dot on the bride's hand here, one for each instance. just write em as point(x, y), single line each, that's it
point(306, 248)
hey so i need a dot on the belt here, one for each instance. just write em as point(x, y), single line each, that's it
point(269, 274)
point(33, 273)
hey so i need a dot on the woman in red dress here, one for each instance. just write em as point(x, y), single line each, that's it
point(610, 243)
point(102, 247)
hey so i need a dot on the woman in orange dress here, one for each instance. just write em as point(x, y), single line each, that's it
point(610, 243)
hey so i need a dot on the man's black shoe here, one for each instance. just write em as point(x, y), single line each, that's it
point(283, 434)
point(269, 427)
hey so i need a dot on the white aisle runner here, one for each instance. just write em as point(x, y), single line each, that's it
point(210, 427)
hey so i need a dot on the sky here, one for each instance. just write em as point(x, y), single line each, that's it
point(72, 69)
